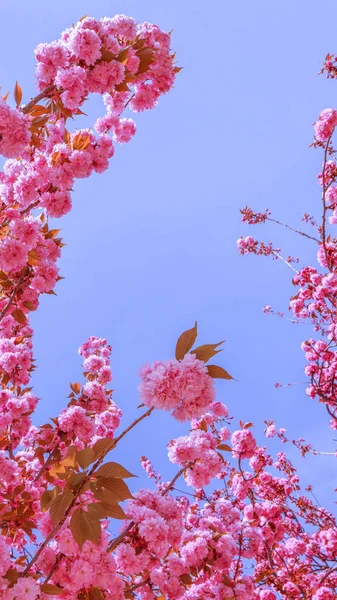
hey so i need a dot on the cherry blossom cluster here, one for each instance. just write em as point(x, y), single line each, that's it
point(197, 452)
point(14, 131)
point(184, 387)
point(98, 56)
point(248, 245)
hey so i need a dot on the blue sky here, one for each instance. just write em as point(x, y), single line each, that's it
point(151, 244)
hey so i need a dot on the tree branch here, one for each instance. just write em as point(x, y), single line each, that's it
point(10, 301)
point(50, 88)
point(310, 237)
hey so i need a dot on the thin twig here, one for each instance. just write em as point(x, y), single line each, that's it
point(10, 301)
point(46, 464)
point(324, 203)
point(310, 237)
point(172, 482)
point(22, 212)
point(138, 585)
point(54, 567)
point(285, 262)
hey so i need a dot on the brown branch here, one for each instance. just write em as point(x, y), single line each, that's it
point(114, 543)
point(22, 212)
point(175, 478)
point(54, 567)
point(48, 539)
point(325, 187)
point(10, 301)
point(135, 422)
point(46, 464)
point(138, 585)
point(50, 88)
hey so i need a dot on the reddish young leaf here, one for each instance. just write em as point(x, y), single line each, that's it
point(224, 447)
point(17, 94)
point(29, 304)
point(118, 487)
point(112, 469)
point(206, 351)
point(186, 341)
point(85, 526)
point(85, 457)
point(53, 590)
point(59, 505)
point(103, 445)
point(218, 372)
point(19, 316)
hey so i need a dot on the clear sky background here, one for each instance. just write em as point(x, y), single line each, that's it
point(151, 244)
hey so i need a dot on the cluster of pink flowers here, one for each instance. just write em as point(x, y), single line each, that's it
point(131, 63)
point(15, 413)
point(158, 520)
point(184, 387)
point(14, 131)
point(94, 415)
point(243, 443)
point(81, 569)
point(197, 452)
point(325, 125)
point(248, 245)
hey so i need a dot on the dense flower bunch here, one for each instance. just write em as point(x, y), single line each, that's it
point(183, 386)
point(14, 131)
point(252, 534)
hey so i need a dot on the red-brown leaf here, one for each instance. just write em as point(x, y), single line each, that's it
point(19, 316)
point(186, 341)
point(206, 351)
point(17, 94)
point(218, 372)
